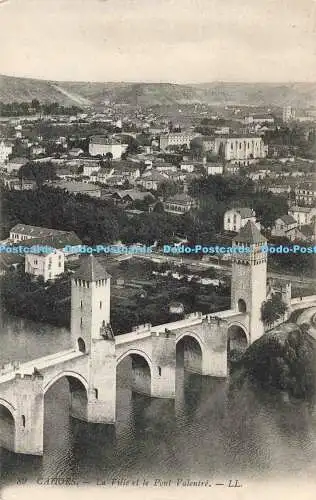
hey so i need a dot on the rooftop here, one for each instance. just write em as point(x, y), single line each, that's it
point(249, 234)
point(288, 219)
point(90, 270)
point(40, 232)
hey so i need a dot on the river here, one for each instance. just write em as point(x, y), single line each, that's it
point(205, 434)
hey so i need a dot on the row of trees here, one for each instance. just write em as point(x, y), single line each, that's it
point(34, 107)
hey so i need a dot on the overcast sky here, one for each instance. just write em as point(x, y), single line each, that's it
point(159, 40)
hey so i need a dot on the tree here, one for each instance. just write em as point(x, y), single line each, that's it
point(273, 309)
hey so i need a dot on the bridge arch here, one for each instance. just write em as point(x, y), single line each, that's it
point(11, 409)
point(237, 341)
point(140, 371)
point(137, 352)
point(68, 375)
point(8, 424)
point(192, 355)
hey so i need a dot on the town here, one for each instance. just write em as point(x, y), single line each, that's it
point(127, 174)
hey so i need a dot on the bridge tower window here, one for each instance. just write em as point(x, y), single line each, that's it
point(81, 345)
point(96, 393)
point(100, 304)
point(242, 306)
point(23, 420)
point(80, 304)
point(159, 371)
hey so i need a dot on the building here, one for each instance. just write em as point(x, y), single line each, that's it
point(176, 139)
point(241, 150)
point(102, 145)
point(15, 164)
point(16, 184)
point(46, 265)
point(284, 226)
point(6, 149)
point(236, 218)
point(288, 114)
point(258, 119)
point(305, 193)
point(303, 215)
point(152, 180)
point(214, 169)
point(129, 196)
point(78, 188)
point(180, 204)
point(23, 232)
point(75, 152)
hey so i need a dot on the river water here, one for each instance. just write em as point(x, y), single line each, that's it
point(206, 434)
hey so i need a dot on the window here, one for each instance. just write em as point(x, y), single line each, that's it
point(35, 262)
point(228, 220)
point(59, 264)
point(80, 304)
point(23, 420)
point(159, 371)
point(96, 393)
point(80, 321)
point(100, 304)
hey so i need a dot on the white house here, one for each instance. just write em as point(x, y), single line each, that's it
point(5, 150)
point(102, 145)
point(214, 169)
point(47, 265)
point(303, 215)
point(236, 218)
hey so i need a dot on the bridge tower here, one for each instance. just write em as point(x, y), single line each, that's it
point(249, 277)
point(92, 333)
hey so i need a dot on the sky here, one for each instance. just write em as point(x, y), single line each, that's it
point(183, 41)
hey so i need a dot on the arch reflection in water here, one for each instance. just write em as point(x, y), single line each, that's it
point(237, 344)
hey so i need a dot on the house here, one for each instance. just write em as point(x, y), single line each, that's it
point(259, 119)
point(102, 175)
point(176, 139)
point(47, 265)
point(280, 189)
point(128, 196)
point(236, 218)
point(152, 180)
point(75, 152)
point(24, 232)
point(16, 184)
point(180, 204)
point(37, 150)
point(214, 169)
point(78, 188)
point(6, 149)
point(306, 193)
point(284, 226)
point(306, 233)
point(303, 215)
point(15, 164)
point(90, 167)
point(102, 145)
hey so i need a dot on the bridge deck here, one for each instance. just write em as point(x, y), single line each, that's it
point(43, 363)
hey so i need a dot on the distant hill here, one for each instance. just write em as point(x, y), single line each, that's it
point(150, 94)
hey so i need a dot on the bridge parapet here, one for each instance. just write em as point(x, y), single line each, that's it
point(146, 327)
point(12, 366)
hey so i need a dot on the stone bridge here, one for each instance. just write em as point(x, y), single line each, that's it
point(205, 343)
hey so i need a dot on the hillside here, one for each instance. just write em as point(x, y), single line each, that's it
point(150, 94)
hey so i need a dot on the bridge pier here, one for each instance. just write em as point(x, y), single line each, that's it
point(102, 382)
point(214, 355)
point(163, 376)
point(29, 417)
